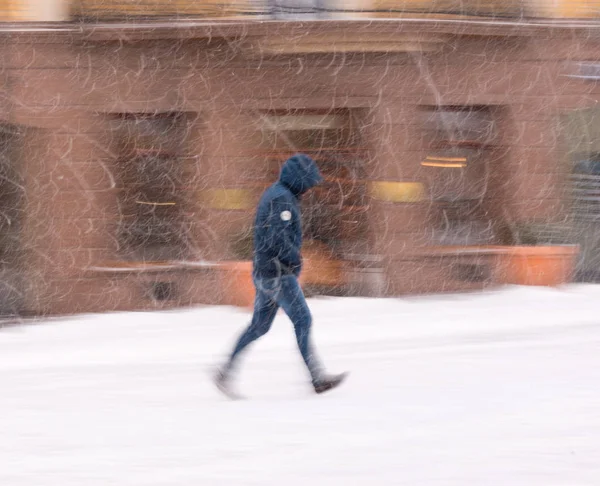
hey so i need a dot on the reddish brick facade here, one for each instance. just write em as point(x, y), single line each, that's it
point(64, 89)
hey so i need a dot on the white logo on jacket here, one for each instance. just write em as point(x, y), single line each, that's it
point(286, 215)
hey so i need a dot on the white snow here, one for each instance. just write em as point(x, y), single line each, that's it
point(498, 388)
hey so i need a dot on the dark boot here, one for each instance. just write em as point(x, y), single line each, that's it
point(222, 381)
point(328, 382)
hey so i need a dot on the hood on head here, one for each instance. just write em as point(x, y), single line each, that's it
point(300, 173)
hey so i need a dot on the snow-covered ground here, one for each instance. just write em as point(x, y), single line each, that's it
point(500, 388)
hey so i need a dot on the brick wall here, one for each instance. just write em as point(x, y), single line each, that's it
point(64, 88)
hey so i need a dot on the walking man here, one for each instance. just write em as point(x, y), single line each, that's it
point(276, 269)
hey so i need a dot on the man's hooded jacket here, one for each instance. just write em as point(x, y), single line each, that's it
point(277, 226)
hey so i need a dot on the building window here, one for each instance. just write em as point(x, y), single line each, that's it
point(487, 8)
point(335, 222)
point(581, 135)
point(457, 169)
point(151, 170)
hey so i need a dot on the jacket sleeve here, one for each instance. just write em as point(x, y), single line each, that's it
point(284, 241)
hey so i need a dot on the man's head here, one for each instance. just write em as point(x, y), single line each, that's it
point(300, 173)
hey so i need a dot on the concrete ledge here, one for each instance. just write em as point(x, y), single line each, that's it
point(251, 26)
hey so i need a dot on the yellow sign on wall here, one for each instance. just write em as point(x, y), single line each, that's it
point(397, 191)
point(228, 198)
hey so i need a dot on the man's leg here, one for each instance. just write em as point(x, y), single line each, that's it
point(291, 299)
point(265, 310)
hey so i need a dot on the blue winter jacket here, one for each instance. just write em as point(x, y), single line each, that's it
point(277, 226)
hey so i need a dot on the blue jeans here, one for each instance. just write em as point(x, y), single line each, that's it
point(271, 294)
